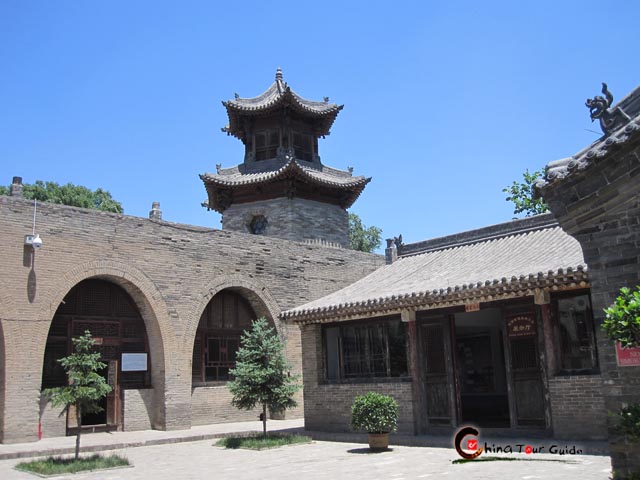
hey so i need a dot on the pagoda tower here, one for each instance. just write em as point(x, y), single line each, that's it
point(282, 189)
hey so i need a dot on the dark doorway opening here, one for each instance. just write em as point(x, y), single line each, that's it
point(481, 372)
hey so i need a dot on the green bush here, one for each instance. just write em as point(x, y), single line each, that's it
point(629, 424)
point(622, 321)
point(374, 413)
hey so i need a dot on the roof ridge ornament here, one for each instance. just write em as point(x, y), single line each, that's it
point(599, 108)
point(278, 73)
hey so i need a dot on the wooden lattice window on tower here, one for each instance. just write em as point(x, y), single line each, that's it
point(267, 143)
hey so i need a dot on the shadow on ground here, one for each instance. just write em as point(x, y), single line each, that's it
point(368, 450)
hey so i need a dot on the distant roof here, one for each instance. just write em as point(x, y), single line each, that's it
point(504, 261)
point(278, 94)
point(348, 188)
point(625, 130)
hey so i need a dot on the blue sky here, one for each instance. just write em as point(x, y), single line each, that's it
point(446, 103)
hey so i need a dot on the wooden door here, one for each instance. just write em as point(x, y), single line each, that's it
point(526, 382)
point(438, 372)
point(113, 397)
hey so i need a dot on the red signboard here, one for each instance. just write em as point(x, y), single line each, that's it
point(627, 357)
point(472, 307)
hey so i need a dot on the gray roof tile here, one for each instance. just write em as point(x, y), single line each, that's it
point(520, 259)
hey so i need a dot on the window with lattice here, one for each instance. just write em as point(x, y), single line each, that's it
point(217, 340)
point(363, 350)
point(267, 143)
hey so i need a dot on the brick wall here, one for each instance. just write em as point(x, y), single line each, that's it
point(170, 270)
point(138, 409)
point(51, 422)
point(212, 404)
point(327, 407)
point(293, 219)
point(599, 205)
point(577, 407)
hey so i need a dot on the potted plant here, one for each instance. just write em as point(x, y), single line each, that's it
point(377, 415)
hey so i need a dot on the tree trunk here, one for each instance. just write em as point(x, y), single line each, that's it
point(264, 420)
point(79, 422)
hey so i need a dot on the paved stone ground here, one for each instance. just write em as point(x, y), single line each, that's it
point(331, 460)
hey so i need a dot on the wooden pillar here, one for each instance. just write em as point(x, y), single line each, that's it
point(409, 316)
point(542, 299)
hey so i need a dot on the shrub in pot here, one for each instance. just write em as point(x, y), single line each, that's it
point(377, 415)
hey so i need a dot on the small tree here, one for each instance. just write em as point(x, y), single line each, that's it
point(365, 239)
point(523, 197)
point(262, 375)
point(86, 386)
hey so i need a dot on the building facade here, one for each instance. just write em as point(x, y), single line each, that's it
point(491, 327)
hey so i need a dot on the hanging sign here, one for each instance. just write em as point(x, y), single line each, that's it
point(472, 307)
point(627, 357)
point(521, 326)
point(134, 362)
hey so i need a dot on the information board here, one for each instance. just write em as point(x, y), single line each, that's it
point(134, 362)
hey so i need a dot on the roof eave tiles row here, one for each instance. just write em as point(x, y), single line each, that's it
point(452, 296)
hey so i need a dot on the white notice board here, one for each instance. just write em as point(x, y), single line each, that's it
point(134, 362)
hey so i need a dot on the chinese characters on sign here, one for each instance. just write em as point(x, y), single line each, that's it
point(627, 357)
point(521, 325)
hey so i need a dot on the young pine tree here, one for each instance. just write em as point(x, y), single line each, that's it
point(86, 386)
point(262, 375)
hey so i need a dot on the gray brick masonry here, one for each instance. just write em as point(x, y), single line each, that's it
point(295, 219)
point(171, 271)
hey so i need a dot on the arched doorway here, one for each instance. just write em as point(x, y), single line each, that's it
point(217, 338)
point(110, 314)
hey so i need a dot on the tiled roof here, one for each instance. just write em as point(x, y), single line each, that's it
point(508, 265)
point(277, 94)
point(340, 185)
point(332, 177)
point(628, 111)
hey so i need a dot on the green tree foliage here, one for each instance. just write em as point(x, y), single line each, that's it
point(622, 324)
point(365, 239)
point(522, 195)
point(86, 386)
point(69, 194)
point(622, 319)
point(262, 375)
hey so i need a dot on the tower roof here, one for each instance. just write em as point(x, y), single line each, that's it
point(292, 178)
point(278, 95)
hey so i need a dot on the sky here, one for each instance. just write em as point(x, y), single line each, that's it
point(445, 103)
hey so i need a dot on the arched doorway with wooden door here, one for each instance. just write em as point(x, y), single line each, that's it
point(217, 339)
point(110, 314)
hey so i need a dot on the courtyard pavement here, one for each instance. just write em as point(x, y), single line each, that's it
point(182, 455)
